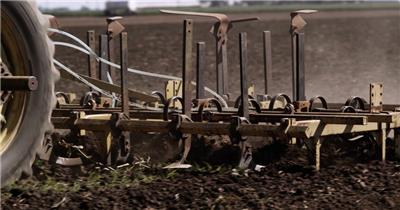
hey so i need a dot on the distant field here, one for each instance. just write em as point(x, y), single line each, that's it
point(283, 7)
point(345, 51)
point(244, 8)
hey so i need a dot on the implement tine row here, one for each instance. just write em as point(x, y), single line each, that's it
point(116, 123)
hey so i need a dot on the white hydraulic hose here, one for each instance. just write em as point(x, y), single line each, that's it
point(94, 87)
point(87, 50)
point(83, 80)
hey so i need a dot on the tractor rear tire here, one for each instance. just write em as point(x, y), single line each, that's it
point(27, 51)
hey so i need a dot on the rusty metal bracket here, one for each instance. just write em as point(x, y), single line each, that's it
point(376, 96)
point(297, 21)
point(114, 27)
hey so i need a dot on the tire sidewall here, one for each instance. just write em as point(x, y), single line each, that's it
point(20, 153)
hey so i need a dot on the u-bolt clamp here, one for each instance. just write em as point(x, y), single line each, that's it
point(204, 103)
point(235, 135)
point(114, 28)
point(168, 103)
point(254, 104)
point(297, 21)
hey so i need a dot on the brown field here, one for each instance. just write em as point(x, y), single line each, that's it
point(345, 51)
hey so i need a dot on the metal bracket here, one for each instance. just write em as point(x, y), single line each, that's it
point(114, 27)
point(297, 21)
point(173, 88)
point(375, 97)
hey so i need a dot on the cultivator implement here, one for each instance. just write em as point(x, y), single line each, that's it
point(104, 124)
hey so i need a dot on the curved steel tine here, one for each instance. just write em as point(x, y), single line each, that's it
point(272, 103)
point(160, 96)
point(187, 143)
point(216, 103)
point(361, 101)
point(256, 105)
point(202, 103)
point(246, 156)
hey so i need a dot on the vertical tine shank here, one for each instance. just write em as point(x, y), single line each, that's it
point(267, 60)
point(103, 52)
point(294, 66)
point(200, 69)
point(300, 71)
point(124, 72)
point(225, 74)
point(187, 66)
point(91, 42)
point(111, 56)
point(243, 75)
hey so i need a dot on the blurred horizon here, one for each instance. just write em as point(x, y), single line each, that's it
point(98, 5)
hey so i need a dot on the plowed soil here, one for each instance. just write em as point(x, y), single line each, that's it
point(287, 182)
point(345, 51)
